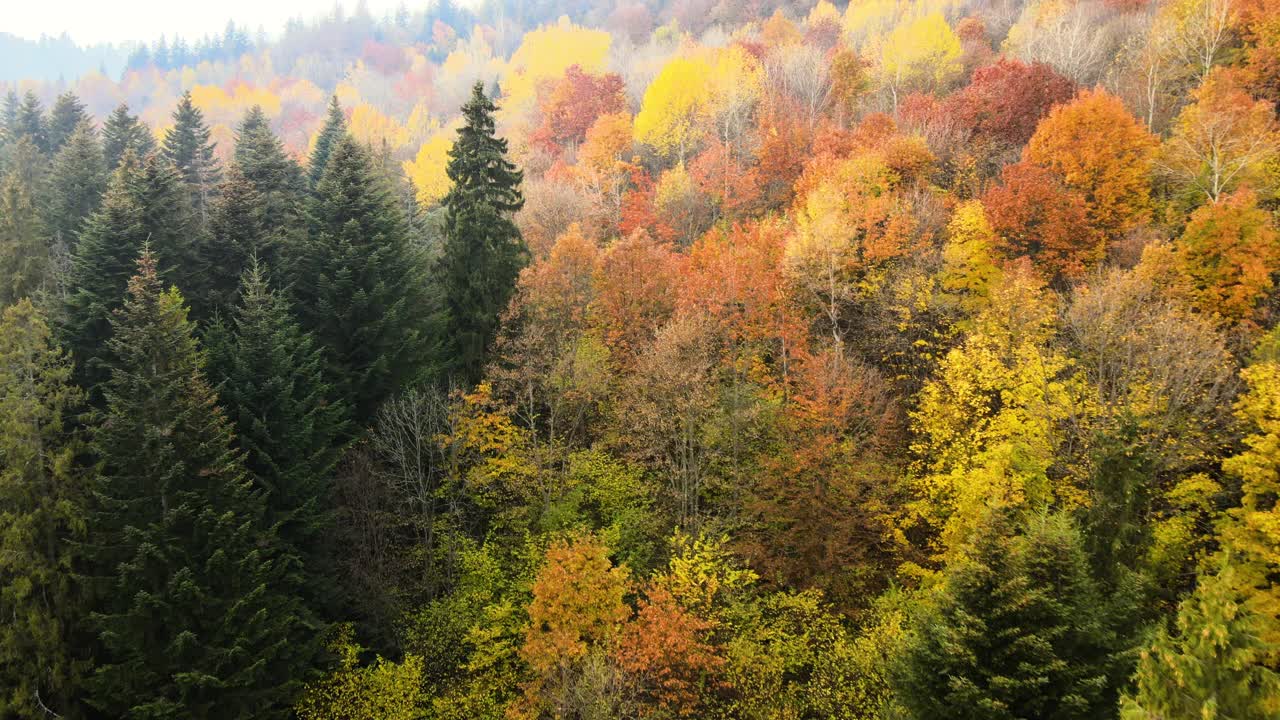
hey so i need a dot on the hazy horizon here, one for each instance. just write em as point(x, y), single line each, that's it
point(88, 22)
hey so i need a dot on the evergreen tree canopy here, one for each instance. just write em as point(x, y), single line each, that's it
point(78, 180)
point(42, 506)
point(26, 264)
point(269, 374)
point(195, 610)
point(280, 185)
point(30, 122)
point(1213, 667)
point(483, 249)
point(188, 147)
point(123, 132)
point(361, 291)
point(1018, 633)
point(67, 115)
point(335, 127)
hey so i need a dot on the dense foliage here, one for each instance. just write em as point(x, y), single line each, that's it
point(908, 359)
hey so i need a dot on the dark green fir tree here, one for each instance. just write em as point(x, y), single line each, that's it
point(188, 147)
point(334, 128)
point(67, 115)
point(42, 518)
point(30, 122)
point(1017, 634)
point(194, 605)
point(123, 132)
point(26, 263)
point(280, 185)
point(76, 184)
point(270, 376)
point(360, 288)
point(483, 250)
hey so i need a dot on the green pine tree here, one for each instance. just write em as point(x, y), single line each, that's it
point(188, 147)
point(42, 515)
point(9, 116)
point(1212, 668)
point(1017, 634)
point(483, 251)
point(335, 127)
point(270, 376)
point(67, 115)
point(76, 184)
point(195, 606)
point(280, 185)
point(123, 132)
point(359, 285)
point(237, 233)
point(30, 122)
point(26, 264)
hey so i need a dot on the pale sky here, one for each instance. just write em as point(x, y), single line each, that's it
point(119, 21)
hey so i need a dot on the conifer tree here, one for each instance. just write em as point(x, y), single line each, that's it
point(194, 603)
point(42, 506)
point(76, 185)
point(280, 185)
point(269, 374)
point(1212, 667)
point(26, 265)
point(188, 147)
point(363, 295)
point(30, 122)
point(123, 132)
point(335, 127)
point(144, 204)
point(237, 233)
point(1018, 633)
point(67, 115)
point(9, 116)
point(483, 249)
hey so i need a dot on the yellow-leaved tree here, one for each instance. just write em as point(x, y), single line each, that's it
point(428, 168)
point(669, 117)
point(920, 54)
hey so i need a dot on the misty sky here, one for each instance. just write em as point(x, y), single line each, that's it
point(94, 21)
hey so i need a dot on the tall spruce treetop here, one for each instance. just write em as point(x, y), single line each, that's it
point(279, 183)
point(145, 203)
point(30, 122)
point(270, 376)
point(335, 126)
point(123, 132)
point(483, 249)
point(66, 115)
point(188, 147)
point(195, 609)
point(42, 506)
point(364, 293)
point(9, 115)
point(26, 263)
point(76, 185)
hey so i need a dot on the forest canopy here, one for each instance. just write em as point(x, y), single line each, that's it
point(898, 360)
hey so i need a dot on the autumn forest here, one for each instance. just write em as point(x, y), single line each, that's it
point(646, 359)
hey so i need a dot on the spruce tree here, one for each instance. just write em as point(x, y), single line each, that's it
point(281, 188)
point(483, 250)
point(9, 116)
point(1212, 667)
point(194, 603)
point(361, 290)
point(76, 185)
point(26, 265)
point(188, 147)
point(42, 515)
point(335, 127)
point(1017, 634)
point(270, 376)
point(30, 122)
point(237, 233)
point(123, 132)
point(67, 115)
